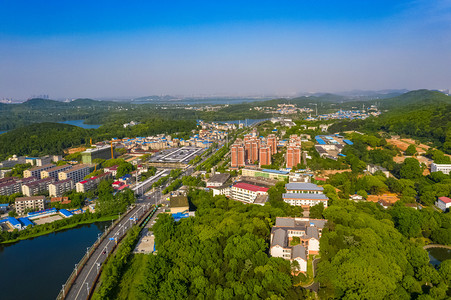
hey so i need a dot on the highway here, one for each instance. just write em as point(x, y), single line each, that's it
point(81, 288)
point(87, 276)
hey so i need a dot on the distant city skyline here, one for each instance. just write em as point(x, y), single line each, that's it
point(115, 49)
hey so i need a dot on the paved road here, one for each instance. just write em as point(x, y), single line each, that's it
point(86, 277)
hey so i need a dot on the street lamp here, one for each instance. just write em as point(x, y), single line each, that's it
point(76, 269)
point(98, 267)
point(87, 251)
point(64, 294)
point(87, 288)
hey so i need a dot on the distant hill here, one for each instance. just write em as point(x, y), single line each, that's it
point(415, 99)
point(41, 138)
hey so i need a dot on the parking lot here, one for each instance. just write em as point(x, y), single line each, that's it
point(48, 219)
point(177, 155)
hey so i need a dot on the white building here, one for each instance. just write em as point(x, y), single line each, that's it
point(444, 168)
point(443, 203)
point(306, 231)
point(304, 194)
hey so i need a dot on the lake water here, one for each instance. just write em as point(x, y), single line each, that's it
point(80, 123)
point(248, 121)
point(437, 255)
point(38, 267)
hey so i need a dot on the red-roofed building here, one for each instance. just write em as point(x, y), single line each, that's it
point(443, 203)
point(249, 193)
point(117, 184)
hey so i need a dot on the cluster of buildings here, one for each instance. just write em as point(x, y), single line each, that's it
point(284, 109)
point(347, 114)
point(294, 239)
point(330, 146)
point(219, 126)
point(32, 218)
point(7, 165)
point(252, 150)
point(142, 145)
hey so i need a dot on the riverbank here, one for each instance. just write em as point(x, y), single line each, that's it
point(69, 226)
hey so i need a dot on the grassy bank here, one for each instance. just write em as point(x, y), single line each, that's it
point(100, 219)
point(133, 276)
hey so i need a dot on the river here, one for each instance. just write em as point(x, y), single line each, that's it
point(37, 268)
point(80, 123)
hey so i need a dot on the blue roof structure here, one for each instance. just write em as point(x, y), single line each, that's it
point(320, 141)
point(4, 205)
point(14, 222)
point(45, 211)
point(276, 171)
point(25, 222)
point(348, 142)
point(65, 213)
point(339, 154)
point(178, 216)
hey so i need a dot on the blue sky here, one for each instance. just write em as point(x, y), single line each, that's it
point(71, 49)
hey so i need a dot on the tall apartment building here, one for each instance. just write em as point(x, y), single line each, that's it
point(237, 156)
point(36, 187)
point(293, 156)
point(103, 152)
point(23, 203)
point(53, 172)
point(57, 189)
point(271, 141)
point(36, 171)
point(76, 173)
point(265, 156)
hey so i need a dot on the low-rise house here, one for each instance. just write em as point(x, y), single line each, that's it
point(296, 238)
point(304, 194)
point(179, 204)
point(218, 180)
point(443, 203)
point(248, 193)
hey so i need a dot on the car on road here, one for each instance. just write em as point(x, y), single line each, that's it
point(104, 252)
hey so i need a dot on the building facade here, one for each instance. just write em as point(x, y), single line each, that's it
point(36, 187)
point(295, 239)
point(24, 203)
point(304, 194)
point(36, 171)
point(53, 172)
point(444, 168)
point(76, 173)
point(57, 189)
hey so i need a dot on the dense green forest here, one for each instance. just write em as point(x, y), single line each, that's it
point(366, 253)
point(219, 254)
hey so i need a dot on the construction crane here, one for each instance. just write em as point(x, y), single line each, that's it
point(112, 151)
